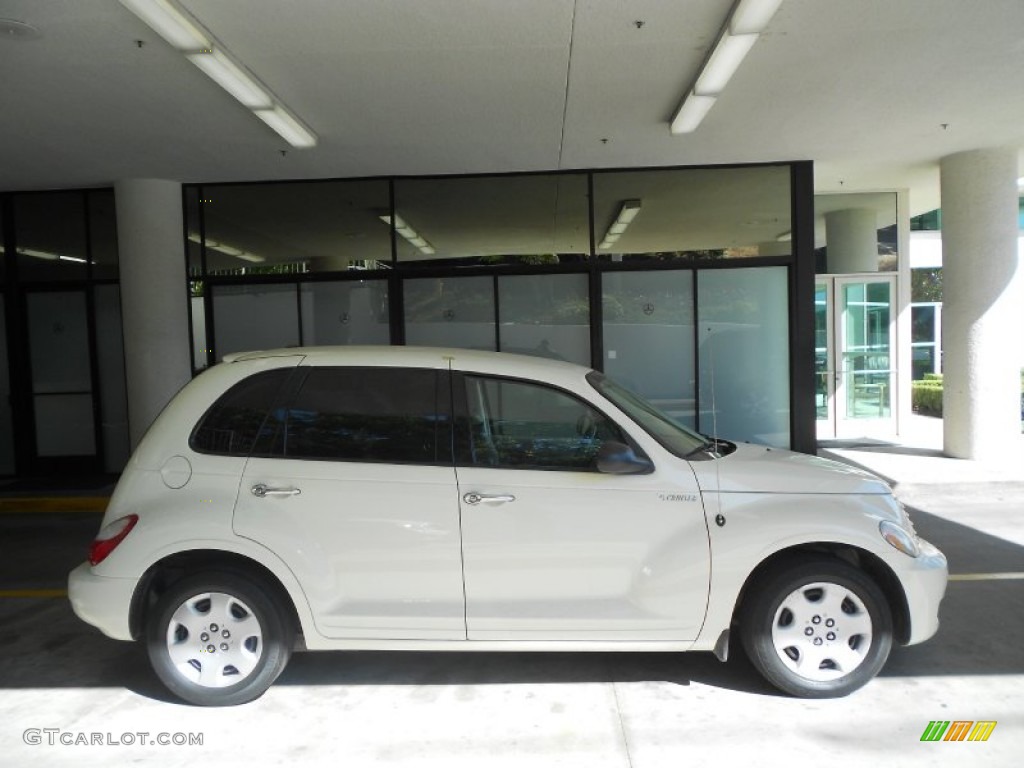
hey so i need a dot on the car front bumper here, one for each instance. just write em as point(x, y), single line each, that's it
point(102, 601)
point(924, 583)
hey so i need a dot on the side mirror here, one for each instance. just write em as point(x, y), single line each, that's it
point(619, 459)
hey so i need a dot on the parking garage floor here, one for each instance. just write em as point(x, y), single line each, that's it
point(62, 681)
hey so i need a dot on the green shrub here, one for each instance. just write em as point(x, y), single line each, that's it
point(926, 396)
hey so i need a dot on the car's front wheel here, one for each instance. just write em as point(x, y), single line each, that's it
point(817, 629)
point(218, 639)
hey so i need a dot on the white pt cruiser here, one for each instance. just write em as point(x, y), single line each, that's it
point(421, 499)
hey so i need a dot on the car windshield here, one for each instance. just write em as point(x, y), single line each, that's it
point(673, 436)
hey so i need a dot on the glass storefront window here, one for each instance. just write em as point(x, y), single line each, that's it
point(530, 219)
point(649, 338)
point(250, 317)
point(294, 227)
point(450, 312)
point(103, 233)
point(743, 332)
point(348, 312)
point(51, 236)
point(545, 316)
point(692, 214)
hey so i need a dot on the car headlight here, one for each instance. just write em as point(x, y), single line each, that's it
point(900, 538)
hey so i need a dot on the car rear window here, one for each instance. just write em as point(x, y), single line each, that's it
point(232, 424)
point(389, 415)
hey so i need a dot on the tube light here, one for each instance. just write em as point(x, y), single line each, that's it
point(746, 21)
point(752, 16)
point(627, 212)
point(230, 250)
point(725, 59)
point(170, 23)
point(408, 233)
point(231, 77)
point(287, 126)
point(692, 112)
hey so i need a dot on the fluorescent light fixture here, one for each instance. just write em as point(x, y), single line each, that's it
point(752, 16)
point(229, 250)
point(627, 212)
point(171, 23)
point(231, 77)
point(287, 126)
point(200, 47)
point(738, 35)
point(784, 237)
point(408, 233)
point(691, 112)
point(722, 65)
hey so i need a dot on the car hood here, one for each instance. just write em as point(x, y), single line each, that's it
point(759, 469)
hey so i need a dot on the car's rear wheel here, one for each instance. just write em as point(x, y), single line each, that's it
point(218, 639)
point(817, 629)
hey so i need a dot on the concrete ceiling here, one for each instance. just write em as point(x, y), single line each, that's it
point(873, 91)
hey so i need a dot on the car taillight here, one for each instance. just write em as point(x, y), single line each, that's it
point(111, 535)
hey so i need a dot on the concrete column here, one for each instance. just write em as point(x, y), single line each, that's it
point(851, 236)
point(982, 300)
point(153, 296)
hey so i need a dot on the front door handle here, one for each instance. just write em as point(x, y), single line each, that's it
point(262, 491)
point(478, 498)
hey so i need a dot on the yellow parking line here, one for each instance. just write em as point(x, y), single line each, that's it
point(33, 593)
point(986, 576)
point(55, 504)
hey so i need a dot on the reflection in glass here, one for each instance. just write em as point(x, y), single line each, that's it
point(450, 312)
point(743, 331)
point(546, 316)
point(293, 227)
point(529, 219)
point(250, 317)
point(50, 234)
point(103, 233)
point(349, 312)
point(867, 376)
point(6, 422)
point(110, 363)
point(821, 352)
point(692, 214)
point(649, 338)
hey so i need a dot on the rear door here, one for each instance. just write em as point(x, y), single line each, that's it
point(555, 550)
point(353, 486)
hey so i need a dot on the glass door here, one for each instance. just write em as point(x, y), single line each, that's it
point(865, 377)
point(855, 352)
point(62, 389)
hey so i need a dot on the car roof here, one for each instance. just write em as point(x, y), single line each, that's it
point(472, 360)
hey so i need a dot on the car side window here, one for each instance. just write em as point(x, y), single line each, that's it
point(233, 423)
point(521, 425)
point(388, 415)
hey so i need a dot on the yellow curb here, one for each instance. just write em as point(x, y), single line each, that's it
point(55, 504)
point(33, 593)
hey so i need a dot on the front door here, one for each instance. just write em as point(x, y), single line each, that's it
point(554, 550)
point(61, 380)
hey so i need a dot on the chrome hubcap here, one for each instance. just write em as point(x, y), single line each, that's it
point(214, 640)
point(822, 631)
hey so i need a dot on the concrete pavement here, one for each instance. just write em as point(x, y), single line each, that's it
point(618, 710)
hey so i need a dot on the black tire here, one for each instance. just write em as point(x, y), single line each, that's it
point(817, 629)
point(219, 638)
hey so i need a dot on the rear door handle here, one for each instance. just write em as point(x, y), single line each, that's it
point(480, 498)
point(262, 491)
